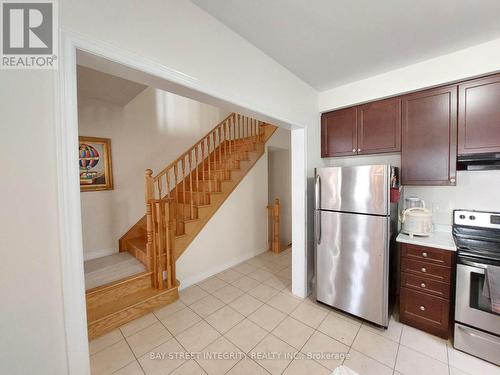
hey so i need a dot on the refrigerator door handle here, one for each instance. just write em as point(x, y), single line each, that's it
point(317, 195)
point(318, 226)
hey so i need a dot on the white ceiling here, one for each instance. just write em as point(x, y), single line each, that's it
point(98, 85)
point(328, 43)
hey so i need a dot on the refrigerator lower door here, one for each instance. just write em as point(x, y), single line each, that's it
point(352, 264)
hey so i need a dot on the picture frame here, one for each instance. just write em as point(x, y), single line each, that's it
point(95, 164)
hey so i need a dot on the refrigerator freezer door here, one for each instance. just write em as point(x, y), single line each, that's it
point(363, 189)
point(352, 264)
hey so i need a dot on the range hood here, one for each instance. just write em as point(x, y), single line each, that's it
point(478, 162)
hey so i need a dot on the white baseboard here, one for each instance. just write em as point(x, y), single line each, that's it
point(215, 270)
point(88, 255)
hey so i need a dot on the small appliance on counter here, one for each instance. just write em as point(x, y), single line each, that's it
point(416, 220)
point(477, 306)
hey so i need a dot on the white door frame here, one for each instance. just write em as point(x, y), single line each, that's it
point(69, 189)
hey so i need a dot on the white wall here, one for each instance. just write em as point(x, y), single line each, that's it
point(280, 186)
point(236, 232)
point(31, 317)
point(150, 131)
point(478, 190)
point(280, 179)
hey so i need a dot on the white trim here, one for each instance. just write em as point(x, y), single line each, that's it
point(70, 228)
point(299, 194)
point(215, 270)
point(68, 182)
point(94, 254)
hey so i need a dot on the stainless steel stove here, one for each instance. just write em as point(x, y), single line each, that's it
point(477, 327)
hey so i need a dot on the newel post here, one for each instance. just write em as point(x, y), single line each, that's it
point(149, 216)
point(276, 226)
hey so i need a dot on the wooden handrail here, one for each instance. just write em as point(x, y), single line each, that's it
point(175, 193)
point(194, 146)
point(274, 226)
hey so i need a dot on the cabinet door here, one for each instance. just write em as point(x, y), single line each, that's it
point(379, 126)
point(479, 116)
point(338, 133)
point(429, 144)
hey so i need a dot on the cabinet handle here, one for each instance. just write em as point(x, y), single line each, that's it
point(422, 308)
point(452, 180)
point(423, 269)
point(423, 285)
point(353, 150)
point(424, 254)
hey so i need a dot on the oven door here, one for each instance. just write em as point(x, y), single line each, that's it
point(472, 307)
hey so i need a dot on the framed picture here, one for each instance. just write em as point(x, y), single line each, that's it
point(95, 164)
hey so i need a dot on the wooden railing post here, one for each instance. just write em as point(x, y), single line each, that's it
point(149, 218)
point(274, 226)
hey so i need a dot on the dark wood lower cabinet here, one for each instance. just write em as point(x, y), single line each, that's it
point(425, 312)
point(426, 289)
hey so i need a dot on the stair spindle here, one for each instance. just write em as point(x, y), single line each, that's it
point(169, 238)
point(177, 190)
point(233, 134)
point(209, 169)
point(196, 169)
point(203, 180)
point(159, 186)
point(191, 185)
point(246, 126)
point(224, 135)
point(160, 248)
point(219, 130)
point(168, 183)
point(183, 166)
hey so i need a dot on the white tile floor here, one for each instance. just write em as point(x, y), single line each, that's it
point(249, 313)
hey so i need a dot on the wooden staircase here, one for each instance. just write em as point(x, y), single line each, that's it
point(180, 200)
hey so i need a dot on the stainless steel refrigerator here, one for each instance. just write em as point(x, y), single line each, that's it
point(355, 222)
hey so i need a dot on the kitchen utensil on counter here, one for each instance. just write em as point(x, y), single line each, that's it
point(416, 221)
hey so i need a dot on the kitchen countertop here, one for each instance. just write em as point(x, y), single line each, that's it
point(441, 238)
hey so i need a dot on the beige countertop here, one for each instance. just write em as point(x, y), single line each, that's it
point(441, 238)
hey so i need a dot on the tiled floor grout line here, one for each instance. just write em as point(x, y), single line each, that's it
point(397, 352)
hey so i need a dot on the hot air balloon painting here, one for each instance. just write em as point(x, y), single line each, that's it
point(95, 164)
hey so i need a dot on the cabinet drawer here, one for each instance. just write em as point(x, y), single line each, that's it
point(426, 270)
point(425, 285)
point(424, 312)
point(427, 254)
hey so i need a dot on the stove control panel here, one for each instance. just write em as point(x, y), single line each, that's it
point(479, 219)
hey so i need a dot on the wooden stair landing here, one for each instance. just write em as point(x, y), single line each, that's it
point(111, 268)
point(112, 305)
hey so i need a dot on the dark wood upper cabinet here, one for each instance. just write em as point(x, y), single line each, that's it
point(338, 133)
point(429, 139)
point(479, 116)
point(379, 126)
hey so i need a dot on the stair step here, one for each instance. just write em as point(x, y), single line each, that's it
point(110, 269)
point(138, 243)
point(116, 290)
point(111, 315)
